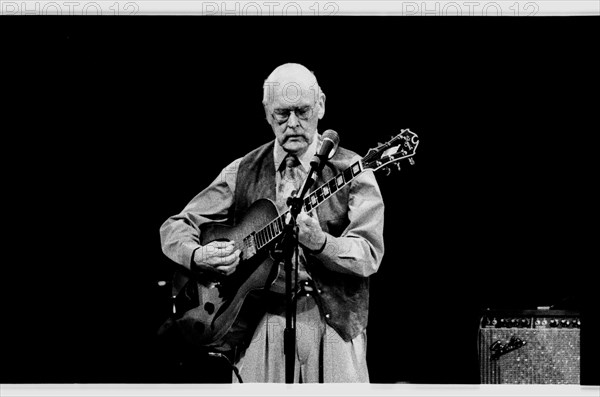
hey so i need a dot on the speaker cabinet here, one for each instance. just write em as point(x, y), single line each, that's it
point(532, 346)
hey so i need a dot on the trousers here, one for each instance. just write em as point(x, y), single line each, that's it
point(321, 354)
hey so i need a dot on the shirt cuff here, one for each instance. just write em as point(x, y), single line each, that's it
point(318, 251)
point(187, 254)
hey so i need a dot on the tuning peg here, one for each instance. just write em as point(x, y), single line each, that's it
point(398, 166)
point(386, 171)
point(411, 161)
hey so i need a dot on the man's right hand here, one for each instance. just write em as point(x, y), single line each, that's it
point(218, 255)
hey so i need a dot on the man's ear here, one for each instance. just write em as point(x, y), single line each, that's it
point(321, 106)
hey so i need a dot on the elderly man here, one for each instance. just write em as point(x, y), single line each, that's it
point(341, 242)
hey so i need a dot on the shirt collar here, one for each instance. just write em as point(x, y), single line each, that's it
point(279, 153)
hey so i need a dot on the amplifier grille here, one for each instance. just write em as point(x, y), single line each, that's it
point(535, 355)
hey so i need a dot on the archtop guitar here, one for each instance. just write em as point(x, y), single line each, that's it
point(213, 301)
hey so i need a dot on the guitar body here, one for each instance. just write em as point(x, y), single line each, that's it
point(212, 302)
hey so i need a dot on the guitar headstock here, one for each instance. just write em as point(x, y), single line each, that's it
point(400, 147)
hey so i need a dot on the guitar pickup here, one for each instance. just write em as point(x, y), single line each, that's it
point(249, 249)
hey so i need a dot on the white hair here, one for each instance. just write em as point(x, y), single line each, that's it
point(269, 85)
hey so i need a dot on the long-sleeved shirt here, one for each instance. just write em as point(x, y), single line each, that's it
point(358, 250)
point(352, 217)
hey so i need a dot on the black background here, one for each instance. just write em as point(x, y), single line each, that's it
point(114, 124)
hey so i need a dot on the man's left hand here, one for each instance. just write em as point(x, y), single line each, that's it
point(310, 233)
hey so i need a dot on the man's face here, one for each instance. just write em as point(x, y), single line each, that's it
point(294, 114)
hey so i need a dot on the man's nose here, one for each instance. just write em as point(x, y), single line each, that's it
point(293, 120)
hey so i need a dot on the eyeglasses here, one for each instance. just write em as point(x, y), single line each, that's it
point(303, 113)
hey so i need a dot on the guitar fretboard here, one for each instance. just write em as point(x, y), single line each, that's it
point(274, 229)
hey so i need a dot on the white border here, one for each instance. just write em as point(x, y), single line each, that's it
point(302, 7)
point(98, 390)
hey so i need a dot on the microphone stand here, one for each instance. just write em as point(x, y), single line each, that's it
point(284, 250)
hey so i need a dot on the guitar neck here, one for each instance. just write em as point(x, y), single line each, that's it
point(275, 228)
point(401, 146)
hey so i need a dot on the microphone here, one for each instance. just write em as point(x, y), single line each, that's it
point(331, 140)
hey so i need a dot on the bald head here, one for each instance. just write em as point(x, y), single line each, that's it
point(291, 82)
point(293, 104)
